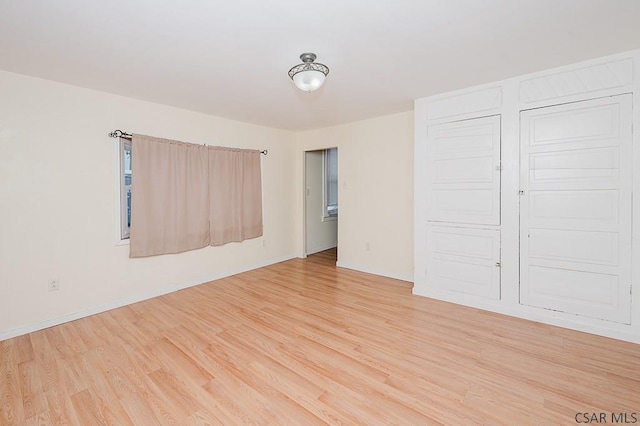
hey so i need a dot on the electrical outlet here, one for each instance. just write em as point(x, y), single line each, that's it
point(367, 246)
point(54, 284)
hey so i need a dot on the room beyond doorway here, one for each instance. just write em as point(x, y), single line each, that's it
point(325, 257)
point(321, 200)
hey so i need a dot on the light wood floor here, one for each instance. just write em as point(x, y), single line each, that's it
point(303, 342)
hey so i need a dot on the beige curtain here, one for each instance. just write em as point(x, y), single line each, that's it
point(170, 196)
point(235, 195)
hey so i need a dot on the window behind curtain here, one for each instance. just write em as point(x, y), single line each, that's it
point(331, 182)
point(235, 209)
point(188, 196)
point(170, 209)
point(125, 188)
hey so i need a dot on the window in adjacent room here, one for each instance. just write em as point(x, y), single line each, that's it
point(331, 183)
point(125, 188)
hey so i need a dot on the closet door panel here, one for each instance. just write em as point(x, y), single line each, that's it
point(599, 167)
point(464, 260)
point(463, 171)
point(575, 210)
point(574, 246)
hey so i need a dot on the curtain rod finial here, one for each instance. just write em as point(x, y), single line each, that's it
point(119, 133)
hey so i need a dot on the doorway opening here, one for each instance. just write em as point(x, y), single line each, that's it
point(321, 200)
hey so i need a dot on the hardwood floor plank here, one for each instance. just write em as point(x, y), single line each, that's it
point(33, 399)
point(181, 364)
point(206, 418)
point(140, 412)
point(91, 409)
point(61, 411)
point(11, 406)
point(305, 342)
point(238, 358)
point(289, 383)
point(176, 393)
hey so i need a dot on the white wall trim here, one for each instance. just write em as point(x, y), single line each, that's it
point(545, 316)
point(577, 81)
point(30, 328)
point(375, 271)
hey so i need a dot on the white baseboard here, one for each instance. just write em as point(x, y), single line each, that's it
point(30, 328)
point(375, 271)
point(558, 319)
point(323, 248)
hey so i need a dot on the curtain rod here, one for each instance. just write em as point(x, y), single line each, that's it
point(120, 134)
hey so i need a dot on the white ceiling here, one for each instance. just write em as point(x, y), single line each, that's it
point(230, 58)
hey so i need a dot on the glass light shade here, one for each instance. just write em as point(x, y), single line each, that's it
point(309, 80)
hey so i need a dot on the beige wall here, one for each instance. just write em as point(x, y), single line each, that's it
point(57, 202)
point(375, 192)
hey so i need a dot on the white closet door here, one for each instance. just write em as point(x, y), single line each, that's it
point(464, 260)
point(463, 171)
point(575, 212)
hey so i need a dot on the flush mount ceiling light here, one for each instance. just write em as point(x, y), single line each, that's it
point(308, 75)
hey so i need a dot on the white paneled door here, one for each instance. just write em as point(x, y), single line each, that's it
point(464, 260)
point(463, 171)
point(575, 208)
